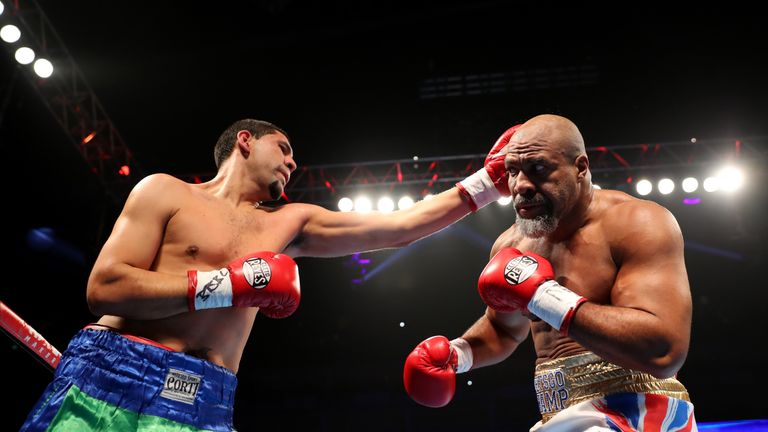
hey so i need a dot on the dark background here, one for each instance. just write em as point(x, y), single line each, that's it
point(347, 83)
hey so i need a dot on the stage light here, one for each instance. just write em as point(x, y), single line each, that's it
point(504, 200)
point(346, 204)
point(24, 55)
point(402, 324)
point(363, 204)
point(43, 68)
point(88, 137)
point(666, 186)
point(385, 205)
point(404, 202)
point(2, 8)
point(711, 184)
point(731, 179)
point(125, 170)
point(643, 187)
point(10, 33)
point(690, 184)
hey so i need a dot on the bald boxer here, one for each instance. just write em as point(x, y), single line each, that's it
point(598, 279)
point(186, 269)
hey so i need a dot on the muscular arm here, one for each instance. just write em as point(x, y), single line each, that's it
point(120, 283)
point(647, 325)
point(327, 233)
point(496, 335)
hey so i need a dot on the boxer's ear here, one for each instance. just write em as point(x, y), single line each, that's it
point(582, 164)
point(243, 138)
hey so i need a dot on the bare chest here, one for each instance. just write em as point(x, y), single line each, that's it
point(206, 235)
point(583, 263)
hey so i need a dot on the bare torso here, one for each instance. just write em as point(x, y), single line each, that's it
point(584, 263)
point(205, 233)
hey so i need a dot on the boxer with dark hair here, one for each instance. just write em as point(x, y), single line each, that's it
point(186, 269)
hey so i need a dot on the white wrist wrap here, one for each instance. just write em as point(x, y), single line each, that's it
point(464, 354)
point(213, 289)
point(553, 303)
point(480, 188)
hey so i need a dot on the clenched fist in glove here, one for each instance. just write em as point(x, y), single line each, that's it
point(490, 182)
point(266, 280)
point(430, 370)
point(514, 280)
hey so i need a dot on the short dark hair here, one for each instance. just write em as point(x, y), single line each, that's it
point(226, 142)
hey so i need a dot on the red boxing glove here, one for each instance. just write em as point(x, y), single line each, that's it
point(266, 280)
point(492, 181)
point(513, 280)
point(430, 370)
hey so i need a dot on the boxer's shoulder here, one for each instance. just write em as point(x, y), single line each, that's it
point(616, 212)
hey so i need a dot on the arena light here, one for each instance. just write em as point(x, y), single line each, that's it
point(731, 179)
point(88, 137)
point(346, 204)
point(2, 8)
point(504, 200)
point(43, 68)
point(24, 55)
point(690, 184)
point(404, 203)
point(10, 33)
point(124, 170)
point(666, 186)
point(711, 184)
point(363, 204)
point(385, 205)
point(643, 187)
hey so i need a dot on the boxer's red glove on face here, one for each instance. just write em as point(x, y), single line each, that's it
point(266, 280)
point(490, 182)
point(430, 370)
point(513, 280)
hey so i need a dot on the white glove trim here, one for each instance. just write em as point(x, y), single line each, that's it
point(213, 290)
point(553, 302)
point(480, 188)
point(464, 354)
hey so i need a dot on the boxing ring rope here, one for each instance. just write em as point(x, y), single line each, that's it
point(28, 338)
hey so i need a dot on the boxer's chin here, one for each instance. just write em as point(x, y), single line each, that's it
point(537, 227)
point(275, 190)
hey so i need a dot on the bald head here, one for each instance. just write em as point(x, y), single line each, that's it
point(555, 131)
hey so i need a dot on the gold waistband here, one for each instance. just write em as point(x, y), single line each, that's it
point(566, 381)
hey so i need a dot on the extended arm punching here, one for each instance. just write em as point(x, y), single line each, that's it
point(328, 233)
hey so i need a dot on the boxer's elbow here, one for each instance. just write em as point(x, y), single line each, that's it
point(95, 298)
point(99, 293)
point(669, 363)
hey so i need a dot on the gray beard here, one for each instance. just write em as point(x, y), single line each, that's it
point(537, 227)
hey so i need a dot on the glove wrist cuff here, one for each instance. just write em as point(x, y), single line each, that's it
point(210, 289)
point(463, 354)
point(555, 304)
point(479, 189)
